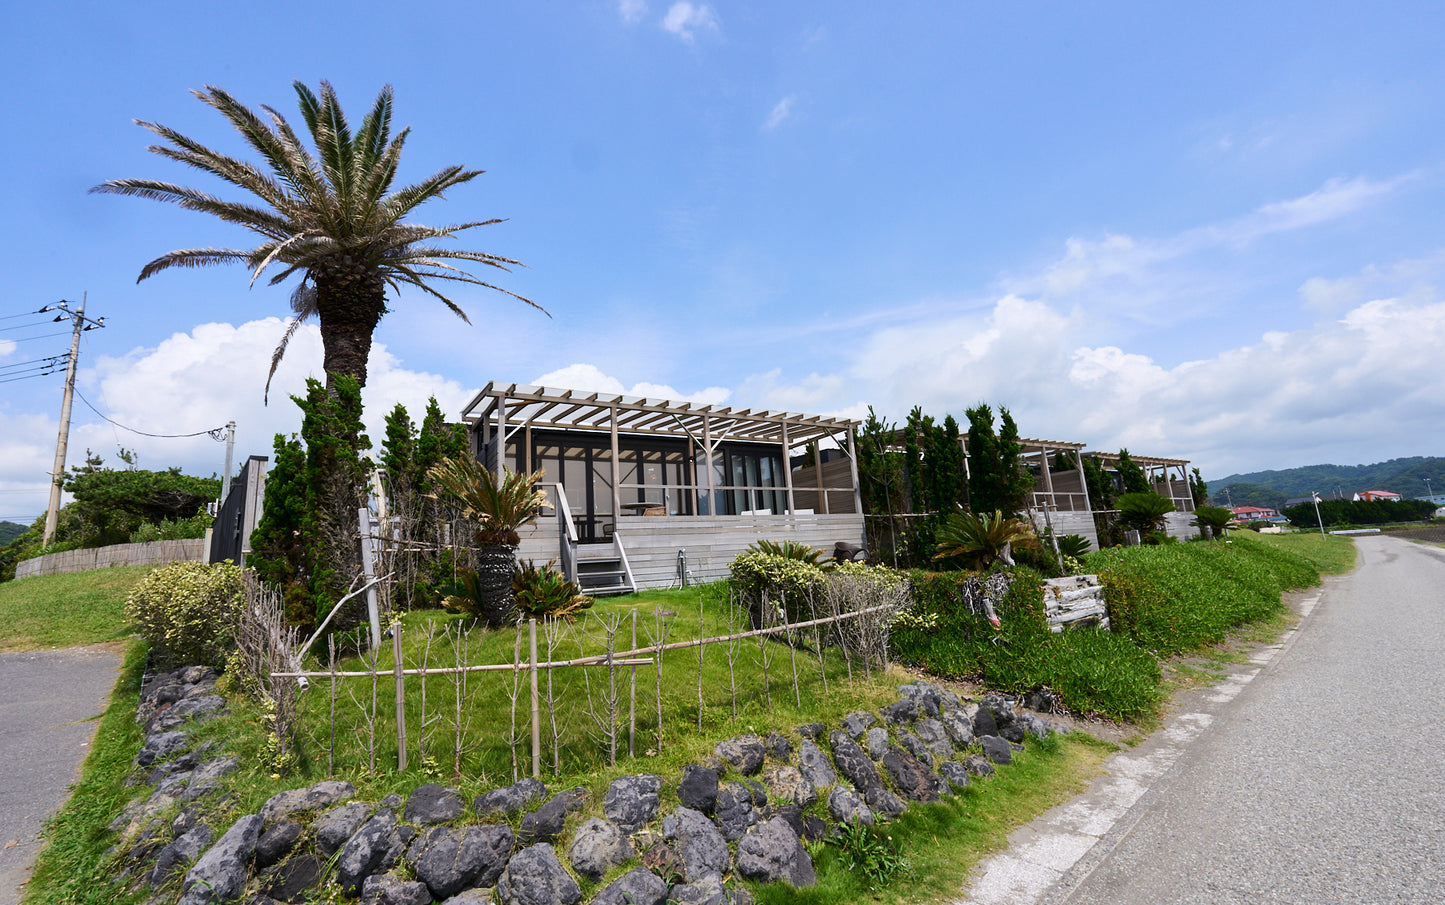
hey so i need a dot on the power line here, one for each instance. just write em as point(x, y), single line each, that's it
point(24, 339)
point(53, 358)
point(215, 432)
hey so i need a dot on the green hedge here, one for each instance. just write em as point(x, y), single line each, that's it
point(1092, 670)
point(1162, 601)
point(1180, 597)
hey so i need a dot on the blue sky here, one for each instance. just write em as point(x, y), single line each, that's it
point(1211, 233)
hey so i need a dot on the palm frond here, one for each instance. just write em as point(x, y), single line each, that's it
point(191, 257)
point(280, 353)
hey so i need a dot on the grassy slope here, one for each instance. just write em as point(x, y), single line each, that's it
point(65, 610)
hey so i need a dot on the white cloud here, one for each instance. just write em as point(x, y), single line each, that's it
point(1361, 388)
point(1158, 276)
point(6, 347)
point(193, 382)
point(1335, 199)
point(685, 19)
point(590, 378)
point(631, 11)
point(780, 112)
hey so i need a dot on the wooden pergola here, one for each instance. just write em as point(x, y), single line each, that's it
point(1157, 471)
point(502, 412)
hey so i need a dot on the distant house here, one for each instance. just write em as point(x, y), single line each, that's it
point(1370, 495)
point(1255, 513)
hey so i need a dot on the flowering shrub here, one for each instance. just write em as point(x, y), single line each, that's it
point(187, 611)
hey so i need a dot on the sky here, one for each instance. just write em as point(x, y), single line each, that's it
point(1206, 231)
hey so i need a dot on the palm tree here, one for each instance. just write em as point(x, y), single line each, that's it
point(332, 219)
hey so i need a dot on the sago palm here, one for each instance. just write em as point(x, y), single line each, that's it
point(333, 219)
point(977, 540)
point(1144, 511)
point(499, 506)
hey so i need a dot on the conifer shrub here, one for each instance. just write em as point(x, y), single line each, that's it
point(187, 611)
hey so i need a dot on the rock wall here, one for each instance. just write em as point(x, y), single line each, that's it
point(741, 814)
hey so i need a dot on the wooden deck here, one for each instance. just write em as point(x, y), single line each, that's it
point(710, 543)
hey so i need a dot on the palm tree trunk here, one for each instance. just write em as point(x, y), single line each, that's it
point(495, 565)
point(349, 305)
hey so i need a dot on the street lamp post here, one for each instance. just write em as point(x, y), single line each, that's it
point(1429, 488)
point(1316, 497)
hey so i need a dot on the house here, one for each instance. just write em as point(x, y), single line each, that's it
point(1170, 479)
point(1255, 513)
point(1369, 495)
point(649, 492)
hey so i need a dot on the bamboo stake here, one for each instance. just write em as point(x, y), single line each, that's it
point(371, 721)
point(400, 697)
point(331, 745)
point(700, 649)
point(512, 693)
point(623, 658)
point(425, 660)
point(632, 698)
point(792, 656)
point(731, 649)
point(611, 626)
point(553, 633)
point(536, 710)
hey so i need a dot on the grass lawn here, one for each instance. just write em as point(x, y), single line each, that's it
point(1333, 554)
point(65, 610)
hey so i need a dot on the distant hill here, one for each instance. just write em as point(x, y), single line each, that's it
point(9, 531)
point(1272, 488)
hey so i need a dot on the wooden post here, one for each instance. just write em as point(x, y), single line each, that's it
point(363, 518)
point(536, 711)
point(788, 469)
point(853, 471)
point(400, 698)
point(616, 472)
point(818, 473)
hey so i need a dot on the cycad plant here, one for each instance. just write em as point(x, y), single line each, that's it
point(546, 593)
point(791, 549)
point(975, 541)
point(499, 507)
point(1213, 518)
point(1144, 512)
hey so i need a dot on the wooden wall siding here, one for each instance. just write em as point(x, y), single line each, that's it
point(837, 485)
point(154, 553)
point(711, 542)
point(1179, 493)
point(1081, 523)
point(1178, 525)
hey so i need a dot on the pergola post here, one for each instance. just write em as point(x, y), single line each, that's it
point(1083, 479)
point(501, 436)
point(818, 473)
point(853, 469)
point(616, 471)
point(707, 464)
point(788, 468)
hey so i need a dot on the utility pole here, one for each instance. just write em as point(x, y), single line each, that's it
point(57, 475)
point(230, 451)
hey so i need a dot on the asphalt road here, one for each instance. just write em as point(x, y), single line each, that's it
point(1312, 776)
point(48, 702)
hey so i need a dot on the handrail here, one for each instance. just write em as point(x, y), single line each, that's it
point(566, 532)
